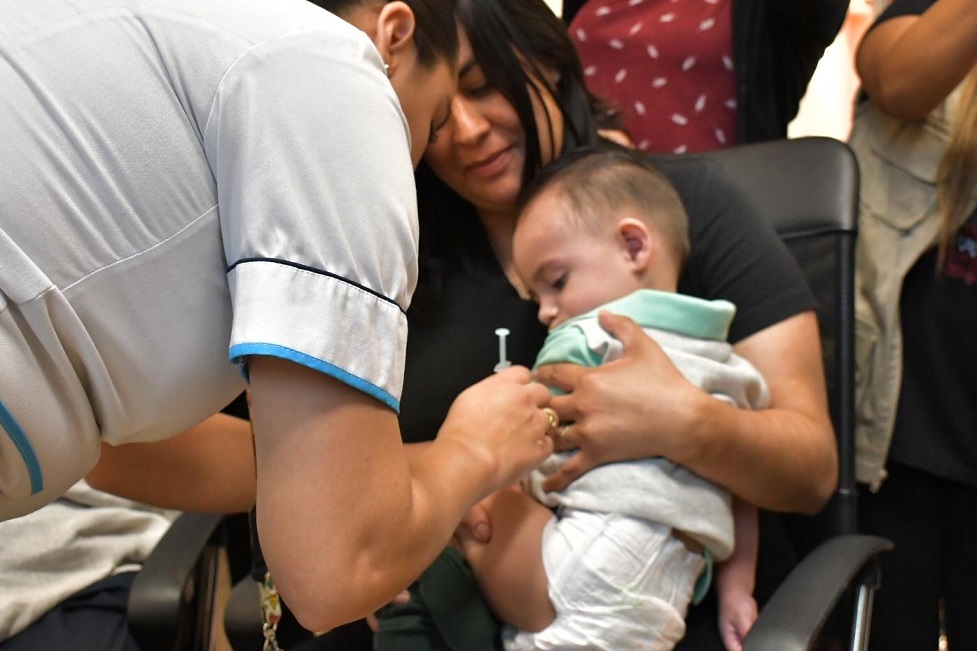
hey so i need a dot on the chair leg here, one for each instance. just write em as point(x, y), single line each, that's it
point(863, 618)
point(862, 623)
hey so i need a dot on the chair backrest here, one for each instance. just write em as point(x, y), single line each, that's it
point(808, 188)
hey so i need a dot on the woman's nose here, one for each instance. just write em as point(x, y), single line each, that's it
point(469, 123)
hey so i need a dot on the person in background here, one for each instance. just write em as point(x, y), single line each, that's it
point(696, 75)
point(181, 181)
point(522, 102)
point(915, 136)
point(66, 570)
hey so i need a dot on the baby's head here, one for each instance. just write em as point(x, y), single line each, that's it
point(596, 225)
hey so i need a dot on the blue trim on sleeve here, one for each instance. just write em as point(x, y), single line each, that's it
point(19, 437)
point(239, 352)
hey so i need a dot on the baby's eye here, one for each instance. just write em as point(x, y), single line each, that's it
point(559, 283)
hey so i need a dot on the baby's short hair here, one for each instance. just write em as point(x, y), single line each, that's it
point(599, 182)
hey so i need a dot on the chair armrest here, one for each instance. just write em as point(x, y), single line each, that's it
point(242, 616)
point(166, 583)
point(795, 614)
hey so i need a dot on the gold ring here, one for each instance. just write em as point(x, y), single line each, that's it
point(554, 419)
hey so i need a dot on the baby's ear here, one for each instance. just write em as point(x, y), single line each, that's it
point(637, 241)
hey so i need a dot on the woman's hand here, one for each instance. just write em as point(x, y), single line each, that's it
point(783, 458)
point(612, 409)
point(501, 421)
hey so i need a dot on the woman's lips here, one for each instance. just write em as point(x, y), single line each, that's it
point(491, 165)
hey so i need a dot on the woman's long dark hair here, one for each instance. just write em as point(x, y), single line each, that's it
point(517, 44)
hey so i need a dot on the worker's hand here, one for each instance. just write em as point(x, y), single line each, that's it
point(503, 420)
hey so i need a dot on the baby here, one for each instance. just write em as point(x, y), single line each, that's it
point(629, 545)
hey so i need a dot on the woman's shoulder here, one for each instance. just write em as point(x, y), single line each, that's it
point(736, 254)
point(706, 190)
point(690, 173)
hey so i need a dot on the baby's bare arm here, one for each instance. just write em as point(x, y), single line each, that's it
point(736, 578)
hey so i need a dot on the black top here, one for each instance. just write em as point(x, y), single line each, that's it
point(936, 421)
point(904, 8)
point(452, 342)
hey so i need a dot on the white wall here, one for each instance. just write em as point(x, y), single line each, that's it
point(826, 108)
point(556, 6)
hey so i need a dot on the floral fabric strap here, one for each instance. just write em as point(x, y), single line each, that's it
point(271, 613)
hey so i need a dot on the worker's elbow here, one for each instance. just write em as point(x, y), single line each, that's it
point(318, 613)
point(321, 604)
point(324, 607)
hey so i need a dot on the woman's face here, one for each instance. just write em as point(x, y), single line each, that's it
point(481, 151)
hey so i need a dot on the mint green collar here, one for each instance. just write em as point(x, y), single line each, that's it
point(679, 313)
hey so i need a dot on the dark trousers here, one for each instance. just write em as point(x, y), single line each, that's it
point(933, 523)
point(94, 618)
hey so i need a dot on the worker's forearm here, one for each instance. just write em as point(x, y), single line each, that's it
point(208, 468)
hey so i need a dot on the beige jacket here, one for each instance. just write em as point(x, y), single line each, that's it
point(899, 220)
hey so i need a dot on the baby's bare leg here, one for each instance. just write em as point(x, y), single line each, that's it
point(509, 568)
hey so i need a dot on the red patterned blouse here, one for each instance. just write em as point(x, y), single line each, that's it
point(666, 65)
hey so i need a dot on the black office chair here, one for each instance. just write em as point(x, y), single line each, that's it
point(195, 593)
point(174, 603)
point(808, 188)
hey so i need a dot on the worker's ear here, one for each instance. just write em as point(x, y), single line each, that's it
point(637, 242)
point(394, 37)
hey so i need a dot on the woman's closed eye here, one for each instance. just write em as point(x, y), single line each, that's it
point(480, 92)
point(474, 84)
